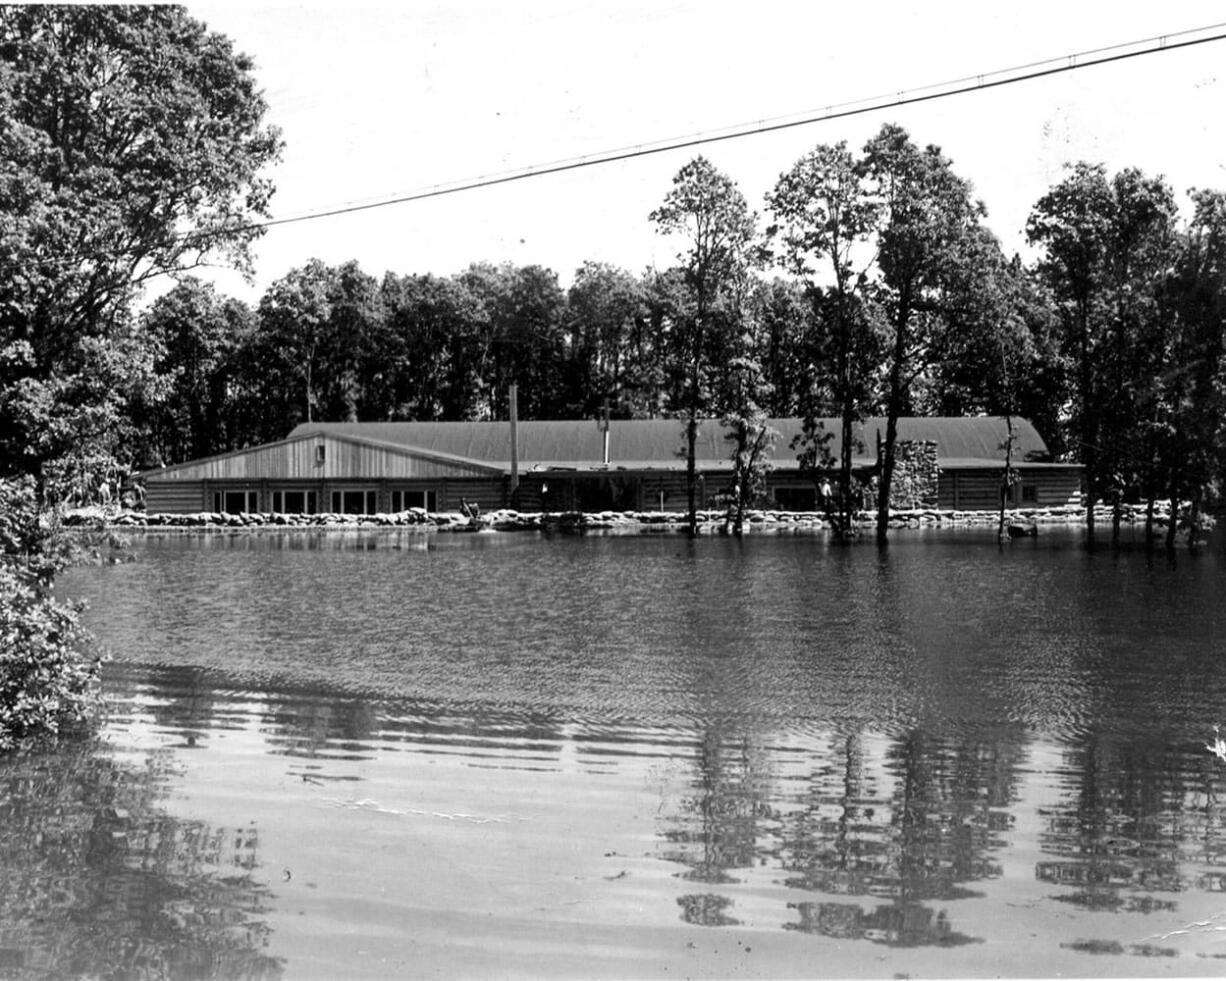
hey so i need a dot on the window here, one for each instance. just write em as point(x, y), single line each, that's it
point(236, 501)
point(354, 502)
point(796, 498)
point(320, 453)
point(1030, 494)
point(403, 500)
point(294, 502)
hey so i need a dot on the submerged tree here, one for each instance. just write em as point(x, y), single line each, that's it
point(1193, 388)
point(824, 220)
point(707, 209)
point(929, 248)
point(1107, 246)
point(746, 429)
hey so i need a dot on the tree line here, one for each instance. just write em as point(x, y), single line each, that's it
point(869, 285)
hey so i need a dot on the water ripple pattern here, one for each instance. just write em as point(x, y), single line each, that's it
point(949, 632)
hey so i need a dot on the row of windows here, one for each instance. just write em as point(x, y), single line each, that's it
point(808, 499)
point(307, 501)
point(235, 502)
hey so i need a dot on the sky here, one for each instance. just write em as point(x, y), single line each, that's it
point(380, 101)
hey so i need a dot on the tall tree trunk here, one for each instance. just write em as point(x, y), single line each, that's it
point(1006, 485)
point(885, 455)
point(1172, 521)
point(691, 477)
point(1089, 416)
point(846, 511)
point(691, 429)
point(309, 399)
point(885, 476)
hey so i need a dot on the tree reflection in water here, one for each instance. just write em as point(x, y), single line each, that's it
point(97, 881)
point(920, 841)
point(718, 828)
point(913, 827)
point(1137, 813)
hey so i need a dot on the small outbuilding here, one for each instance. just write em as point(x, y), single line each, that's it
point(622, 465)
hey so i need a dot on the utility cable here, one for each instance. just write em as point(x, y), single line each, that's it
point(929, 93)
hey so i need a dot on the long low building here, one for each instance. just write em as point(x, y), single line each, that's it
point(624, 465)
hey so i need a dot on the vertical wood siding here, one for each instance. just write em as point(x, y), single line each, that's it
point(342, 460)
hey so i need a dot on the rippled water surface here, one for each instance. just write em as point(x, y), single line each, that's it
point(389, 754)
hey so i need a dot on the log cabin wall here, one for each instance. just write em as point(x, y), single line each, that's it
point(979, 489)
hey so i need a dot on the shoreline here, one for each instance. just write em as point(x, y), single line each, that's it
point(507, 520)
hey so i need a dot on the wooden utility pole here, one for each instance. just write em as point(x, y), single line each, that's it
point(604, 428)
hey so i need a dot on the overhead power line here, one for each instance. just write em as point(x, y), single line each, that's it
point(929, 93)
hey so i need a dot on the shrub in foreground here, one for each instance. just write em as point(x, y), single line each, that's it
point(48, 672)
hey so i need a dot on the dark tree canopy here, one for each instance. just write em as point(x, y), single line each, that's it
point(132, 146)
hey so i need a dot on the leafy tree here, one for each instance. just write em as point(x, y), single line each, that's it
point(1107, 245)
point(356, 345)
point(706, 208)
point(293, 339)
point(132, 141)
point(746, 429)
point(606, 308)
point(1193, 387)
point(437, 336)
point(133, 144)
point(322, 345)
point(525, 311)
point(196, 334)
point(666, 376)
point(929, 249)
point(1072, 223)
point(784, 315)
point(825, 218)
point(48, 674)
point(1140, 259)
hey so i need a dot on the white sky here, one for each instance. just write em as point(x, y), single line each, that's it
point(384, 100)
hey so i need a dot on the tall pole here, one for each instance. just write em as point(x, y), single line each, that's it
point(604, 428)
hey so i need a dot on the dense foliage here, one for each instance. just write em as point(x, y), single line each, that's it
point(130, 148)
point(47, 671)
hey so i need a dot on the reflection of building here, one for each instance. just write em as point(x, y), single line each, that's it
point(365, 468)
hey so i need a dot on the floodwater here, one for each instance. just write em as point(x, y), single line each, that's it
point(393, 754)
